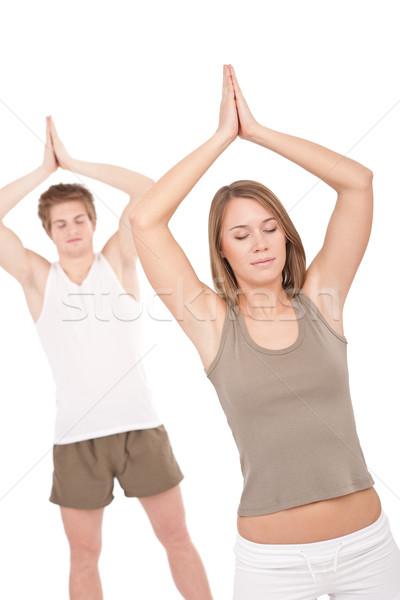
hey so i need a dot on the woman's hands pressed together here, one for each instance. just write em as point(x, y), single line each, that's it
point(247, 123)
point(235, 118)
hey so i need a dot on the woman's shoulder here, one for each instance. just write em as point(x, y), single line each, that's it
point(324, 303)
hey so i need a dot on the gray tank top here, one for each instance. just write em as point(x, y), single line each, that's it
point(290, 413)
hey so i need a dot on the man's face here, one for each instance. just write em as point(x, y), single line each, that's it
point(71, 228)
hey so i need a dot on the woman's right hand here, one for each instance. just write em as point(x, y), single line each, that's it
point(228, 118)
point(64, 159)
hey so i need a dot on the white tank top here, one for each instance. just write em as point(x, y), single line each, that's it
point(91, 334)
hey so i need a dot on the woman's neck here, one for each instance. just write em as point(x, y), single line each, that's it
point(264, 302)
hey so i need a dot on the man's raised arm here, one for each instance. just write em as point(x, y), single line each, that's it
point(14, 258)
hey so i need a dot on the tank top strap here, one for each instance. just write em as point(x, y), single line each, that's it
point(314, 315)
point(229, 322)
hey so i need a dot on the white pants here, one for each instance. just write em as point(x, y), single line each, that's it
point(363, 565)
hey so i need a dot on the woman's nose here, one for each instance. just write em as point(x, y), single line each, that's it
point(261, 243)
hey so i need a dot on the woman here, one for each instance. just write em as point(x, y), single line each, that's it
point(310, 521)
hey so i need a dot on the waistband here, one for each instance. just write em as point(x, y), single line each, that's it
point(284, 555)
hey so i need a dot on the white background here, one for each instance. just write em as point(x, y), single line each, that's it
point(138, 84)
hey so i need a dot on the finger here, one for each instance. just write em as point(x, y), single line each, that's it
point(238, 91)
point(225, 81)
point(235, 81)
point(50, 125)
point(48, 135)
point(52, 141)
point(230, 90)
point(52, 136)
point(53, 128)
point(240, 100)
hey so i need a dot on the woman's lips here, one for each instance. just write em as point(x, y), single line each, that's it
point(265, 261)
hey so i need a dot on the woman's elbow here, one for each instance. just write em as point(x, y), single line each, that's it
point(134, 217)
point(139, 218)
point(367, 177)
point(361, 179)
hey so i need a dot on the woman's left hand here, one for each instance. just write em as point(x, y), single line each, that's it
point(247, 123)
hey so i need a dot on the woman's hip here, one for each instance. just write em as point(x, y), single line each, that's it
point(366, 559)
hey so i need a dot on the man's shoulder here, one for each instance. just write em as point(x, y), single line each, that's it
point(125, 272)
point(38, 271)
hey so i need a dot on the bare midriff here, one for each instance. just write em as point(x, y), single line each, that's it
point(314, 522)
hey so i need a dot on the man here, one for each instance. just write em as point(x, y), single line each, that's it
point(85, 310)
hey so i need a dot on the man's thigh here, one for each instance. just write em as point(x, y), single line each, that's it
point(145, 464)
point(166, 512)
point(83, 528)
point(82, 477)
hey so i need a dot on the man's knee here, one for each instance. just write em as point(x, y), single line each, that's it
point(85, 554)
point(173, 536)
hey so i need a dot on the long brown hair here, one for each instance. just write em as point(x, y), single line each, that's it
point(223, 277)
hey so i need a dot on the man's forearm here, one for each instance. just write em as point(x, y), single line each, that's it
point(123, 179)
point(13, 192)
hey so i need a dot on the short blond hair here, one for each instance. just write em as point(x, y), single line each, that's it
point(64, 192)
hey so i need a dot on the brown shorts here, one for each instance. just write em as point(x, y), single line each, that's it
point(142, 461)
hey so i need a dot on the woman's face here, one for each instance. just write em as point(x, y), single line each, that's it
point(253, 243)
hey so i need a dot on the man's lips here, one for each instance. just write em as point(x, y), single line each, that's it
point(73, 240)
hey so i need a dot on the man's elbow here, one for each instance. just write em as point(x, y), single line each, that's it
point(149, 184)
point(138, 192)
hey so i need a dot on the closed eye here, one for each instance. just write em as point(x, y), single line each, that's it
point(245, 236)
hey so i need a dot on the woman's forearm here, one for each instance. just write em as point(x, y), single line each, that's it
point(123, 179)
point(162, 200)
point(337, 171)
point(13, 192)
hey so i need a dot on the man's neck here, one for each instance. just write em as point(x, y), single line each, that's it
point(77, 267)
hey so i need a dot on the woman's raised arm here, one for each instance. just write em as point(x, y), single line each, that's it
point(350, 225)
point(168, 269)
